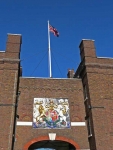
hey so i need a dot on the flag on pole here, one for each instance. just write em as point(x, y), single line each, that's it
point(53, 30)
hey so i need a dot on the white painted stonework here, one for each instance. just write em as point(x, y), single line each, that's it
point(23, 123)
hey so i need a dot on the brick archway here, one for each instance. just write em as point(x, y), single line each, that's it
point(42, 138)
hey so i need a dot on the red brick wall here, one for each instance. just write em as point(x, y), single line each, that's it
point(8, 89)
point(42, 138)
point(51, 88)
point(97, 75)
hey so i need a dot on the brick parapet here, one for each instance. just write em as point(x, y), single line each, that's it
point(87, 49)
point(51, 88)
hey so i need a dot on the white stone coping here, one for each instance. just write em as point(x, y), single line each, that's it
point(25, 123)
point(13, 34)
point(105, 57)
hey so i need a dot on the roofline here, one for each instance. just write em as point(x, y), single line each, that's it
point(13, 34)
point(105, 57)
point(87, 40)
point(50, 78)
point(2, 51)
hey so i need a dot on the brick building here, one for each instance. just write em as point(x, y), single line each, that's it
point(78, 109)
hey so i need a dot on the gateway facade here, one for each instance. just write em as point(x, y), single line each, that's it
point(78, 110)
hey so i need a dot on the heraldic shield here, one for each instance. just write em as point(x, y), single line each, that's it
point(51, 113)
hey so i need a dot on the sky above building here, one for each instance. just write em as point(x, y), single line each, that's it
point(75, 20)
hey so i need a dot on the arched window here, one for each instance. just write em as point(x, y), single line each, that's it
point(51, 145)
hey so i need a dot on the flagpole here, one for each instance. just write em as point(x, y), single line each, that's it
point(49, 52)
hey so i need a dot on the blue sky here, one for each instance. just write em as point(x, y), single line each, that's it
point(74, 19)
